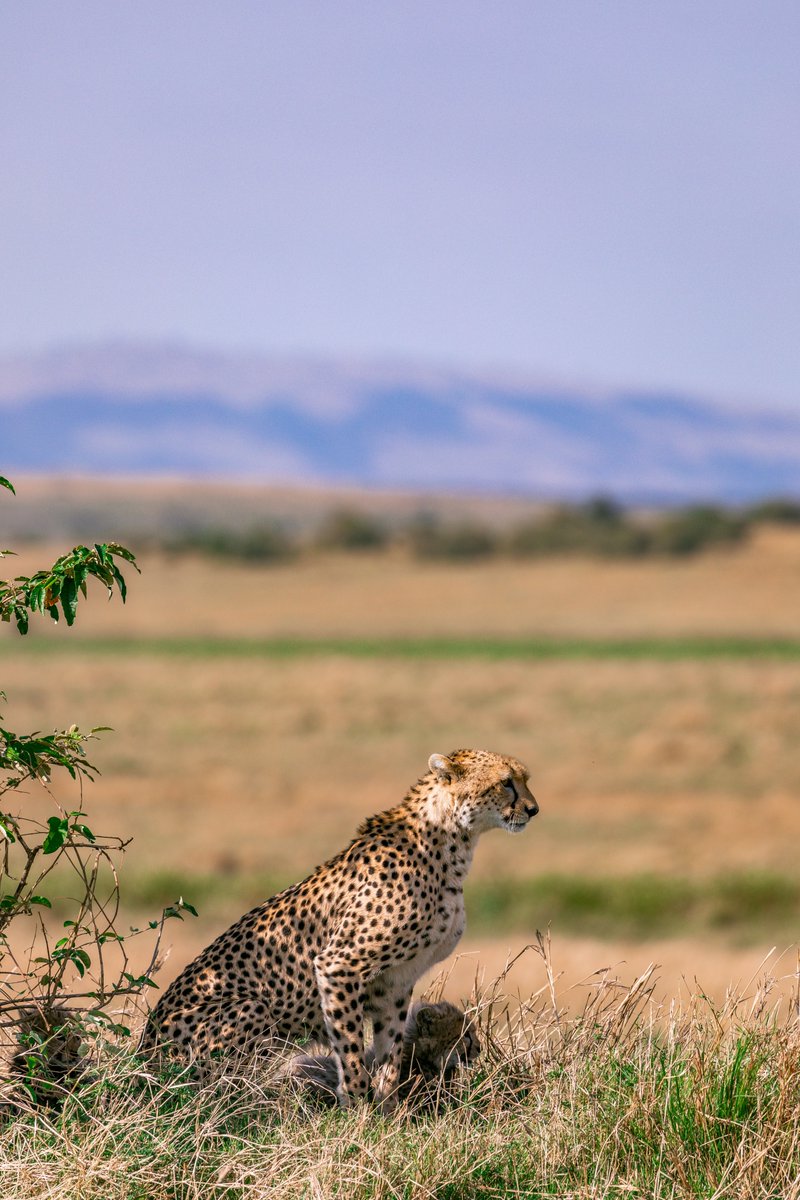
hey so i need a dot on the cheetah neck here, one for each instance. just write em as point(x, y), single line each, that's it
point(435, 810)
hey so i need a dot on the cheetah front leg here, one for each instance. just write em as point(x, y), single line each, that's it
point(342, 997)
point(387, 1003)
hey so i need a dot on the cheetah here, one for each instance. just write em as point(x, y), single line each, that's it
point(353, 938)
point(44, 1058)
point(437, 1040)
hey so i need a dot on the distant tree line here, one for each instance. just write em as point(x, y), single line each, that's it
point(600, 527)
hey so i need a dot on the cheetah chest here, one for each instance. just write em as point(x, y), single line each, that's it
point(450, 922)
point(442, 936)
point(449, 917)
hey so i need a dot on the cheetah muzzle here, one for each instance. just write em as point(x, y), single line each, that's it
point(353, 938)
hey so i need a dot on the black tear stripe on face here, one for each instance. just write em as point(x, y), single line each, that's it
point(513, 787)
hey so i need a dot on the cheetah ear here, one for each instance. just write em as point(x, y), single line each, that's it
point(442, 766)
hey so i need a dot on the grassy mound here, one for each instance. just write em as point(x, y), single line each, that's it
point(624, 1099)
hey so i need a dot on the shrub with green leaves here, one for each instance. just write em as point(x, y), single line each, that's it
point(780, 509)
point(59, 855)
point(461, 542)
point(348, 529)
point(259, 544)
point(691, 529)
point(599, 527)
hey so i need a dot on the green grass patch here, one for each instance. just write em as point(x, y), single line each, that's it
point(156, 890)
point(489, 648)
point(741, 906)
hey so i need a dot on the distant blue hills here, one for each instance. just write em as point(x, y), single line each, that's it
point(156, 411)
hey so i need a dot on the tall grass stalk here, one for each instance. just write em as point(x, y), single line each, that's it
point(627, 1098)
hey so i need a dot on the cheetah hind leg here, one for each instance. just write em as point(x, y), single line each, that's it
point(228, 1029)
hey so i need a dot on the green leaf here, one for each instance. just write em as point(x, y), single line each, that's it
point(123, 552)
point(79, 958)
point(59, 830)
point(107, 1022)
point(36, 598)
point(139, 980)
point(45, 903)
point(123, 588)
point(69, 599)
point(177, 909)
point(6, 484)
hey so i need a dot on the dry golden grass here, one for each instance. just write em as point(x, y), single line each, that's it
point(591, 1086)
point(613, 1096)
point(268, 765)
point(224, 765)
point(751, 590)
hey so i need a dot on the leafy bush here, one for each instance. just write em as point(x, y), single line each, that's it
point(599, 527)
point(780, 509)
point(696, 528)
point(467, 540)
point(346, 529)
point(259, 544)
point(602, 528)
point(60, 851)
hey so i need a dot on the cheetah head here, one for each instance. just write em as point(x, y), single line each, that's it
point(487, 790)
point(441, 1038)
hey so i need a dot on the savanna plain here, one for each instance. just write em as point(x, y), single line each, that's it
point(632, 957)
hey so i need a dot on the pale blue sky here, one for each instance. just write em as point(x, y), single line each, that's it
point(598, 191)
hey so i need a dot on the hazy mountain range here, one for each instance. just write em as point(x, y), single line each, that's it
point(168, 411)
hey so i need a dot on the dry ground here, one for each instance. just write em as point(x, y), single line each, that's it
point(230, 764)
point(752, 590)
point(222, 766)
point(227, 764)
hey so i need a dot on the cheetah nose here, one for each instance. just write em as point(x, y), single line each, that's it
point(532, 809)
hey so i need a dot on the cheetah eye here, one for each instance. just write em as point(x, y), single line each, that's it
point(508, 784)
